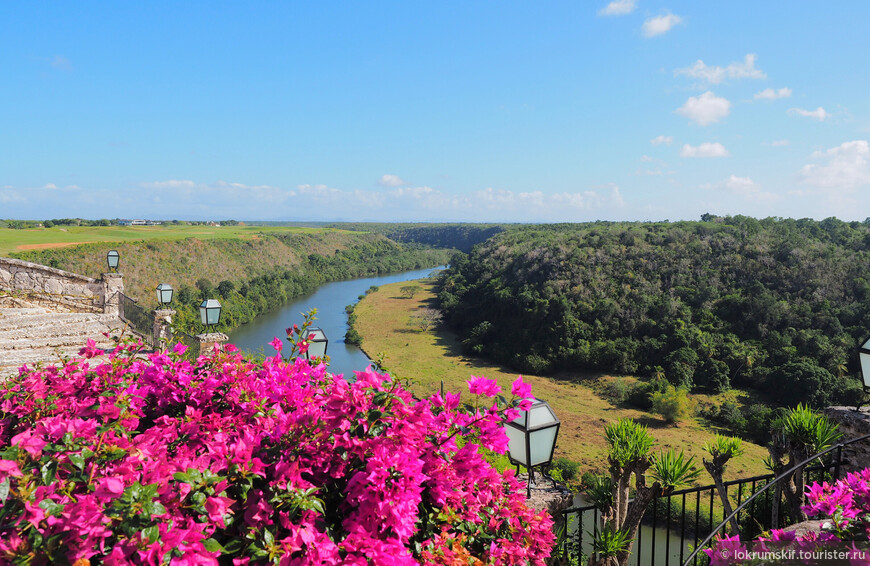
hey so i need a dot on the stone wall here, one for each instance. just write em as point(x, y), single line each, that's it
point(853, 424)
point(58, 290)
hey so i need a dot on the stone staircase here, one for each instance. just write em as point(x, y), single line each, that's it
point(30, 334)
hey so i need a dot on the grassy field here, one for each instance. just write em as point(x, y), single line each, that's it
point(426, 358)
point(58, 236)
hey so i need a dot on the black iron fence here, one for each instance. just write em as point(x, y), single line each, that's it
point(191, 342)
point(140, 320)
point(674, 525)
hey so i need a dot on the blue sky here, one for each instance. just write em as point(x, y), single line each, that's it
point(444, 111)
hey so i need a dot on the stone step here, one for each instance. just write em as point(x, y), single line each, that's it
point(48, 321)
point(20, 311)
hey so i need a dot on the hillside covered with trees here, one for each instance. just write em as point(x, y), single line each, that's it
point(776, 305)
point(250, 276)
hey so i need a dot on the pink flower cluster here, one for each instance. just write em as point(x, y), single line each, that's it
point(159, 460)
point(846, 504)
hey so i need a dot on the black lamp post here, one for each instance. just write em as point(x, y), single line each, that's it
point(210, 312)
point(532, 439)
point(317, 342)
point(864, 357)
point(164, 294)
point(113, 258)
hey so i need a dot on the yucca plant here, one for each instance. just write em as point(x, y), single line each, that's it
point(630, 444)
point(801, 433)
point(722, 449)
point(609, 544)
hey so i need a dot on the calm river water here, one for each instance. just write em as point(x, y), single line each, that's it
point(329, 300)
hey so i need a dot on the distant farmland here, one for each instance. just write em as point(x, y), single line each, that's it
point(61, 236)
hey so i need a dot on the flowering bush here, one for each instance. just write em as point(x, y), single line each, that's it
point(160, 460)
point(846, 503)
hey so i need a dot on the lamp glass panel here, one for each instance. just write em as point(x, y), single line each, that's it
point(317, 349)
point(865, 368)
point(517, 445)
point(866, 345)
point(214, 315)
point(540, 415)
point(112, 258)
point(541, 444)
point(202, 314)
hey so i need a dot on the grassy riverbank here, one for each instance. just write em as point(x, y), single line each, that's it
point(425, 358)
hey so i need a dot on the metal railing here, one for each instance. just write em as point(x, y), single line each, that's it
point(140, 320)
point(836, 464)
point(677, 525)
point(191, 342)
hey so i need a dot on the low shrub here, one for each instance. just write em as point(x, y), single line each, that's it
point(673, 404)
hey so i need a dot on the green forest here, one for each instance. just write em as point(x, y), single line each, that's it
point(774, 306)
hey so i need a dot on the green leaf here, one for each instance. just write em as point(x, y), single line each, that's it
point(212, 545)
point(182, 477)
point(52, 508)
point(268, 537)
point(151, 534)
point(48, 472)
point(77, 460)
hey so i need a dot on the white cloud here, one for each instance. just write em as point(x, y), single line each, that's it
point(716, 74)
point(845, 167)
point(706, 149)
point(773, 94)
point(392, 181)
point(171, 184)
point(646, 159)
point(779, 143)
point(618, 8)
point(49, 186)
point(659, 140)
point(819, 113)
point(660, 24)
point(744, 187)
point(705, 109)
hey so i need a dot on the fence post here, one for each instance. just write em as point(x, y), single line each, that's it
point(162, 325)
point(208, 342)
point(113, 286)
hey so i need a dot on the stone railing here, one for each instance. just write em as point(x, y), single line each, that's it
point(60, 290)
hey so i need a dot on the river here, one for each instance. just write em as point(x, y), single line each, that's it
point(329, 300)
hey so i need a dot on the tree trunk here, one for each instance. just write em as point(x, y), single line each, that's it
point(716, 469)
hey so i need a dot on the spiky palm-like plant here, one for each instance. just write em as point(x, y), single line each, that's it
point(722, 449)
point(630, 454)
point(801, 433)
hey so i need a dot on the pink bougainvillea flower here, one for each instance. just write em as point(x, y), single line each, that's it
point(521, 389)
point(109, 487)
point(483, 386)
point(157, 460)
point(277, 344)
point(91, 350)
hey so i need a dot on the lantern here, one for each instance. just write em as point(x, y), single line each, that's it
point(210, 312)
point(164, 294)
point(532, 438)
point(317, 342)
point(864, 357)
point(113, 258)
